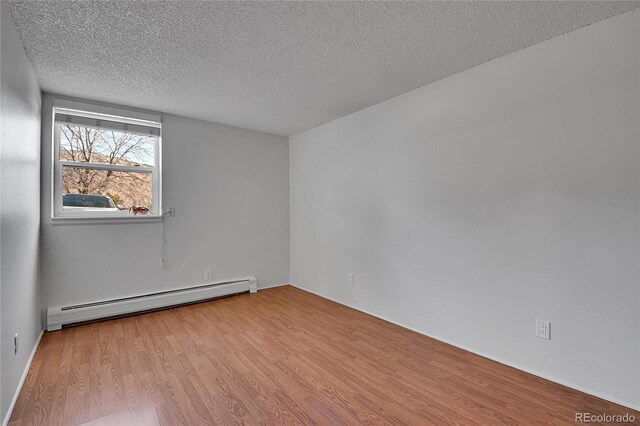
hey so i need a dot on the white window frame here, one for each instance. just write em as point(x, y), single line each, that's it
point(58, 214)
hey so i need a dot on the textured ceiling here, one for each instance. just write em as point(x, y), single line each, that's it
point(278, 67)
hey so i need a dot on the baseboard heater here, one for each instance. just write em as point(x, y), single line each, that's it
point(60, 316)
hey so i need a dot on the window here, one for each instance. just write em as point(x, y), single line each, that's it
point(106, 163)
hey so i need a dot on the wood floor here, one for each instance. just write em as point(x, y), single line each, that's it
point(281, 356)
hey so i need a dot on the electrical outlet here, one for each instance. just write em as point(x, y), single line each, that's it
point(15, 344)
point(208, 275)
point(350, 279)
point(543, 329)
point(171, 212)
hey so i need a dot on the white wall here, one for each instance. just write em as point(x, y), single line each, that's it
point(471, 207)
point(230, 187)
point(19, 209)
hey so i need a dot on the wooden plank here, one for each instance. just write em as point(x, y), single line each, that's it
point(282, 356)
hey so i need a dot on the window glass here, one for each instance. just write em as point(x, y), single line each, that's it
point(92, 145)
point(126, 189)
point(106, 165)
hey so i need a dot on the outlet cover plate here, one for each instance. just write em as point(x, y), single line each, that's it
point(543, 329)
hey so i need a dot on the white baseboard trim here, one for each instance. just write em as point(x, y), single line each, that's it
point(600, 395)
point(22, 379)
point(272, 286)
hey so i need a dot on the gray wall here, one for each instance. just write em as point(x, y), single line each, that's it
point(230, 187)
point(19, 209)
point(473, 206)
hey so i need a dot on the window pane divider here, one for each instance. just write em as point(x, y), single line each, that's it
point(103, 166)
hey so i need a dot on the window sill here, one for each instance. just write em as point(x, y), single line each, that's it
point(104, 220)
